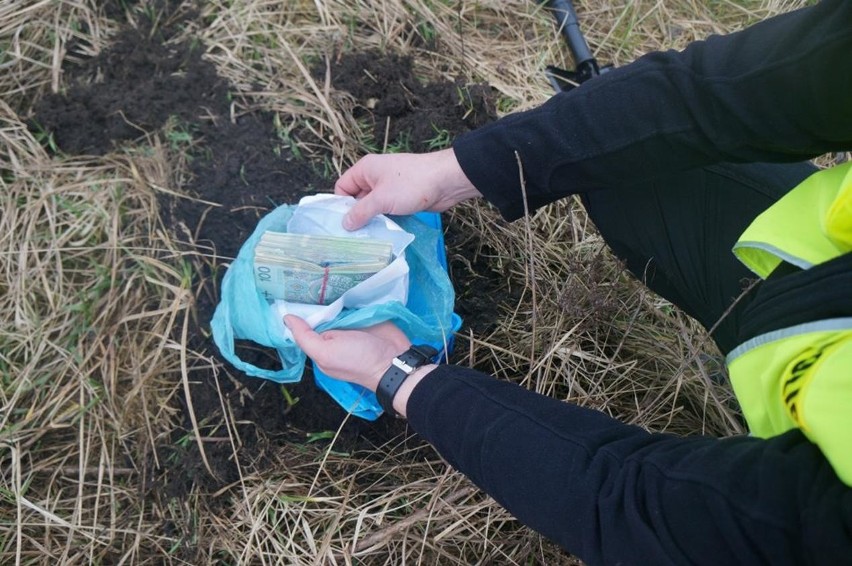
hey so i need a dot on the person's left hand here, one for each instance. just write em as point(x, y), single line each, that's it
point(358, 356)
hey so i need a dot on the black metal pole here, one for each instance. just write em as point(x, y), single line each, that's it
point(569, 27)
point(586, 66)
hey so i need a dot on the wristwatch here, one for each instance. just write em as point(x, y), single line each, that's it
point(402, 366)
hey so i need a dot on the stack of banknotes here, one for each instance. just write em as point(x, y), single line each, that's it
point(317, 270)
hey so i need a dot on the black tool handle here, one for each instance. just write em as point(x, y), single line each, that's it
point(569, 27)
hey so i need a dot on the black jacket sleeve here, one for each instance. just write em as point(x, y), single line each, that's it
point(611, 493)
point(779, 91)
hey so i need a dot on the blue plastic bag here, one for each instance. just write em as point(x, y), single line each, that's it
point(427, 318)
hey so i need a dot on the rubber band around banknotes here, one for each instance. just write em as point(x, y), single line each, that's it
point(324, 285)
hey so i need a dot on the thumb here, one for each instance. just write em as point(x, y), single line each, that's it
point(308, 340)
point(362, 212)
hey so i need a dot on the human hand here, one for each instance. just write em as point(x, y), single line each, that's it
point(358, 356)
point(403, 183)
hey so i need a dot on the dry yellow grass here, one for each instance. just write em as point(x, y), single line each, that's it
point(94, 297)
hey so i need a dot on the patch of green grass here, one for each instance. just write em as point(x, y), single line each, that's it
point(366, 138)
point(179, 135)
point(44, 137)
point(402, 144)
point(289, 399)
point(324, 168)
point(89, 299)
point(322, 435)
point(506, 104)
point(285, 135)
point(5, 52)
point(465, 101)
point(442, 139)
point(426, 30)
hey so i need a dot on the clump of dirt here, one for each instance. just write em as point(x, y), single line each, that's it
point(407, 114)
point(147, 83)
point(117, 9)
point(129, 90)
point(144, 83)
point(588, 296)
point(404, 112)
point(481, 291)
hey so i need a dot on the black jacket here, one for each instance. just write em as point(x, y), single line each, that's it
point(612, 493)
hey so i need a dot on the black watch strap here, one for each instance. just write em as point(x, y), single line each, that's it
point(403, 366)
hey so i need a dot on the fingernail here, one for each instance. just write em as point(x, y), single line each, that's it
point(286, 320)
point(348, 223)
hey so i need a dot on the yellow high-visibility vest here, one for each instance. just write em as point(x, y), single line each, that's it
point(801, 376)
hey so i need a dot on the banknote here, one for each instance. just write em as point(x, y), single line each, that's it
point(316, 270)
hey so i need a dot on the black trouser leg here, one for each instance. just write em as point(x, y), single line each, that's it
point(676, 234)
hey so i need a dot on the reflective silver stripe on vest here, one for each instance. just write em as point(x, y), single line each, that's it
point(818, 326)
point(777, 252)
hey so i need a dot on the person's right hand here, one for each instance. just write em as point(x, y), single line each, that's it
point(403, 183)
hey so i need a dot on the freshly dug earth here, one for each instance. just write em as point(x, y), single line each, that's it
point(406, 114)
point(142, 86)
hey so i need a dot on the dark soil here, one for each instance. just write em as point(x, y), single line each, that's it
point(142, 86)
point(408, 114)
point(405, 113)
point(481, 290)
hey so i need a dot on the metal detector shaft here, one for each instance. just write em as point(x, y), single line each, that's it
point(569, 27)
point(586, 66)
